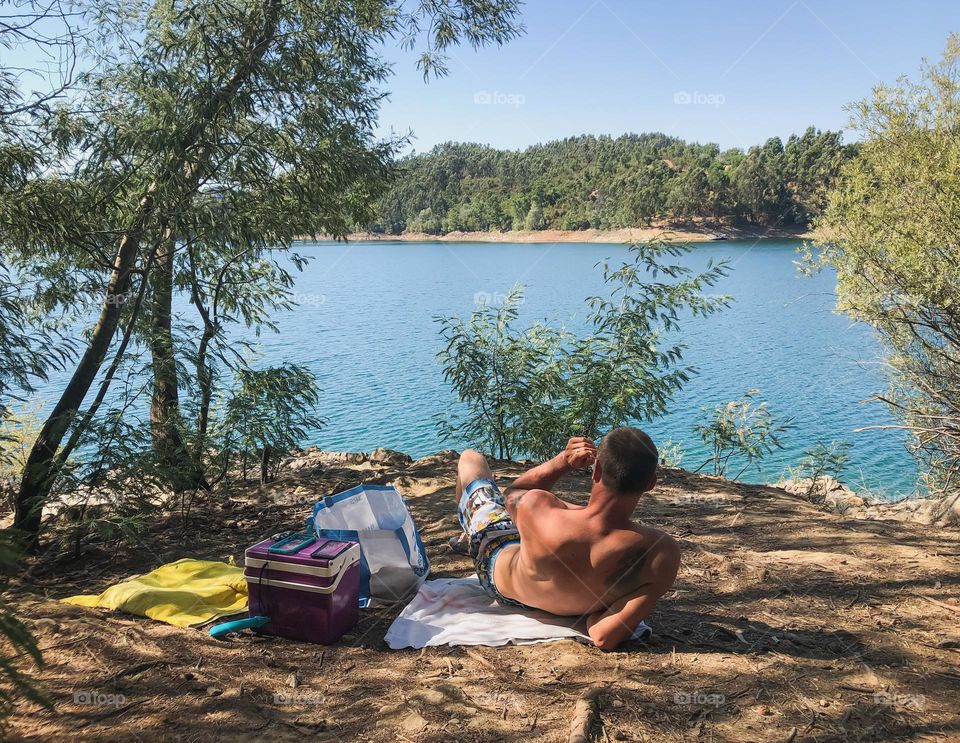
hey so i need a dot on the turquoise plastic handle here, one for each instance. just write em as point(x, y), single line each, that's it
point(299, 541)
point(220, 630)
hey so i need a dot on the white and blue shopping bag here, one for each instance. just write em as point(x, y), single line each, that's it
point(393, 561)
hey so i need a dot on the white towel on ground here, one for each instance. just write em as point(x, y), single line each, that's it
point(456, 611)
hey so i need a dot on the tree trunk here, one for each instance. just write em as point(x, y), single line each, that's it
point(165, 403)
point(39, 472)
point(67, 449)
point(183, 471)
point(265, 465)
point(210, 316)
point(205, 383)
point(204, 369)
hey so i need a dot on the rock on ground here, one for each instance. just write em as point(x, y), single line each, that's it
point(838, 498)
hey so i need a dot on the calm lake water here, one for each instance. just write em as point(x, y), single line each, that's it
point(365, 326)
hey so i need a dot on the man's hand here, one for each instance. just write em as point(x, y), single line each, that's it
point(580, 453)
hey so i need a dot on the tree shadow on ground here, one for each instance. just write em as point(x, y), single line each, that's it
point(712, 633)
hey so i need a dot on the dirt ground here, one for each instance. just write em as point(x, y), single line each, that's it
point(787, 623)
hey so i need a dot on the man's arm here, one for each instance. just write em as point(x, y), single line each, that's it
point(580, 452)
point(609, 629)
point(652, 568)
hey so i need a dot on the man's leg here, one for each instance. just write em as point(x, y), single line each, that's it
point(472, 466)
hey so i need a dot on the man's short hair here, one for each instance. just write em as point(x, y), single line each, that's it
point(628, 461)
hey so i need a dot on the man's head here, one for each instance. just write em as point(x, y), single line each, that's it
point(626, 462)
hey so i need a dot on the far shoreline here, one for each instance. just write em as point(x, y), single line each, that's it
point(682, 234)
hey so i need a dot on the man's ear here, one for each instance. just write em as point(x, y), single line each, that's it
point(653, 482)
point(597, 472)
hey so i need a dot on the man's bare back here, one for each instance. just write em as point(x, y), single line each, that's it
point(572, 560)
point(567, 562)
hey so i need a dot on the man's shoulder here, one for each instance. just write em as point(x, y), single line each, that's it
point(623, 557)
point(535, 497)
point(627, 538)
point(535, 504)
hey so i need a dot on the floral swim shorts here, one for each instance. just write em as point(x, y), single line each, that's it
point(484, 518)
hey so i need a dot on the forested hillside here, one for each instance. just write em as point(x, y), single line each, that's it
point(605, 183)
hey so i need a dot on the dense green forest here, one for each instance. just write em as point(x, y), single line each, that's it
point(605, 183)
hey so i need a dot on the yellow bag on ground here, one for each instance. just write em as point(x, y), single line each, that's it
point(183, 593)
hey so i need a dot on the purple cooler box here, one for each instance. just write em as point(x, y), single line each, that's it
point(309, 587)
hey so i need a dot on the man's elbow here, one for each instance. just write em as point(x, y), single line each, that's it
point(607, 645)
point(605, 639)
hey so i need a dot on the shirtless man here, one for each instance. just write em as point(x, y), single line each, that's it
point(532, 549)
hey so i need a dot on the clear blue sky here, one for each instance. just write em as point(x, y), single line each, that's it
point(750, 69)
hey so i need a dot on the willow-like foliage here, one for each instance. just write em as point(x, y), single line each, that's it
point(206, 135)
point(528, 391)
point(894, 226)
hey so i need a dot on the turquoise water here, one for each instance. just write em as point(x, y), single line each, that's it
point(365, 326)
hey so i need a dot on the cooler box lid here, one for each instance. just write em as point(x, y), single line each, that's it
point(305, 554)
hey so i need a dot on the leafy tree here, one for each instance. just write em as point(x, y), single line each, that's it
point(760, 183)
point(813, 161)
point(631, 363)
point(718, 185)
point(671, 453)
point(894, 218)
point(235, 127)
point(744, 428)
point(535, 219)
point(822, 460)
point(749, 185)
point(227, 285)
point(689, 193)
point(497, 372)
point(18, 429)
point(426, 221)
point(528, 391)
point(774, 182)
point(166, 425)
point(270, 411)
point(30, 344)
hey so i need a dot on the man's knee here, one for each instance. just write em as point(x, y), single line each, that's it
point(471, 456)
point(472, 466)
point(473, 463)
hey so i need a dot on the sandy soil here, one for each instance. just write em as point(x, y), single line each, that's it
point(787, 624)
point(666, 232)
